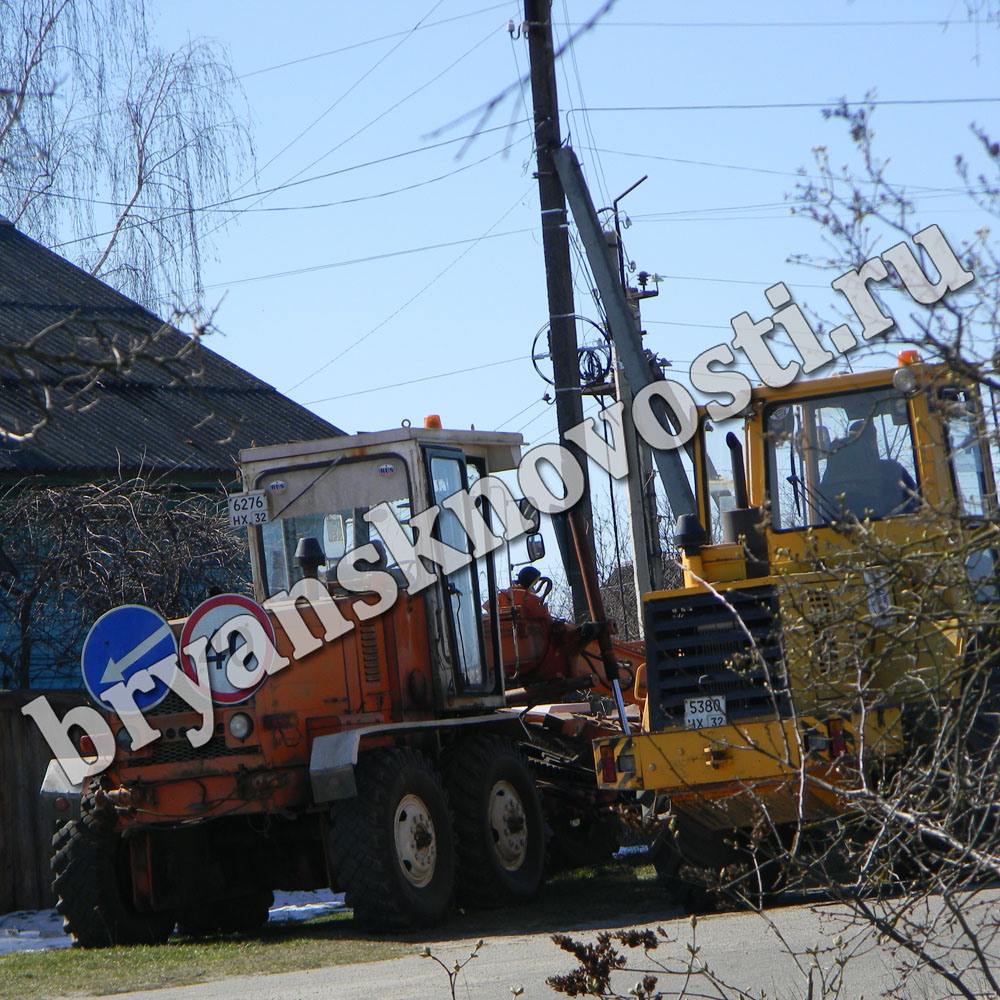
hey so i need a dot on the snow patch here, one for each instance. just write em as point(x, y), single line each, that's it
point(292, 906)
point(35, 930)
point(31, 930)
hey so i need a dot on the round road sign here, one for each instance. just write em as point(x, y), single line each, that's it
point(122, 642)
point(229, 622)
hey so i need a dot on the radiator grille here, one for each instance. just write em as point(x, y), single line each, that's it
point(178, 751)
point(173, 704)
point(369, 655)
point(695, 646)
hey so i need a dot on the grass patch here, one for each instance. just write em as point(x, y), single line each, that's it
point(64, 972)
point(613, 895)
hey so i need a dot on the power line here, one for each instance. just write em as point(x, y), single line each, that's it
point(411, 381)
point(733, 281)
point(391, 191)
point(487, 235)
point(368, 41)
point(326, 53)
point(791, 105)
point(798, 174)
point(378, 62)
point(359, 131)
point(402, 100)
point(776, 24)
point(534, 402)
point(368, 72)
point(601, 179)
point(280, 187)
point(365, 260)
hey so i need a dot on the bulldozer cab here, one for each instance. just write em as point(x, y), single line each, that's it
point(876, 446)
point(846, 453)
point(342, 509)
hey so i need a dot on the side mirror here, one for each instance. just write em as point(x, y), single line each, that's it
point(536, 547)
point(530, 512)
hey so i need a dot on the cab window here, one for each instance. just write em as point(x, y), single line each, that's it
point(329, 503)
point(975, 491)
point(841, 455)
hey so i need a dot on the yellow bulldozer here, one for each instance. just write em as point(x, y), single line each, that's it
point(822, 609)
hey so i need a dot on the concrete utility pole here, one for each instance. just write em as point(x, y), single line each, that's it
point(558, 276)
point(621, 321)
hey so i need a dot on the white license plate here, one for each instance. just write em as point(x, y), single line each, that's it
point(701, 713)
point(248, 508)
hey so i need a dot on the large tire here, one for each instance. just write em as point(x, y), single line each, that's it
point(92, 883)
point(499, 825)
point(686, 856)
point(391, 847)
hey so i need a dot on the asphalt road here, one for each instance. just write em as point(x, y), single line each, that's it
point(743, 950)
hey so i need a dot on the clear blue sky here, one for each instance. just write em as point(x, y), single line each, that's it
point(323, 290)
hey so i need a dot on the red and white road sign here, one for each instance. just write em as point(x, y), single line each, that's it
point(239, 646)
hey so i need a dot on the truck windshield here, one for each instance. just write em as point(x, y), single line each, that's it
point(840, 455)
point(328, 502)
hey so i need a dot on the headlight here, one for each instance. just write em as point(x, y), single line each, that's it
point(904, 380)
point(240, 726)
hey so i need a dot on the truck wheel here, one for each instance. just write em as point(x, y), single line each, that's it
point(686, 856)
point(391, 846)
point(499, 826)
point(94, 889)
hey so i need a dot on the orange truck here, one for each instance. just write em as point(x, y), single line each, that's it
point(400, 757)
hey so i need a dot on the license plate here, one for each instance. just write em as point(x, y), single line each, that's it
point(701, 713)
point(248, 508)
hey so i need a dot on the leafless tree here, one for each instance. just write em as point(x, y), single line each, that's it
point(70, 553)
point(114, 152)
point(116, 155)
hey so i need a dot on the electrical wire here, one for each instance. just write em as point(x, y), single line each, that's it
point(280, 187)
point(521, 82)
point(359, 131)
point(319, 55)
point(366, 260)
point(399, 190)
point(588, 130)
point(534, 402)
point(776, 24)
point(401, 101)
point(412, 381)
point(791, 105)
point(368, 72)
point(368, 41)
point(489, 234)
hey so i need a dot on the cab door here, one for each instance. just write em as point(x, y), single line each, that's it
point(461, 599)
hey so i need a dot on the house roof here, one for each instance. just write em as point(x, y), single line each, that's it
point(173, 411)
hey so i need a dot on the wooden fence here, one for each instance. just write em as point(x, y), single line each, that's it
point(25, 824)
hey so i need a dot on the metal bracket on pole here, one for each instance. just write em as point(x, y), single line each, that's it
point(620, 319)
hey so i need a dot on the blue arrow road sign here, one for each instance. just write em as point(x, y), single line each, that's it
point(122, 642)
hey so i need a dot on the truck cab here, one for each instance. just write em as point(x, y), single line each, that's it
point(352, 508)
